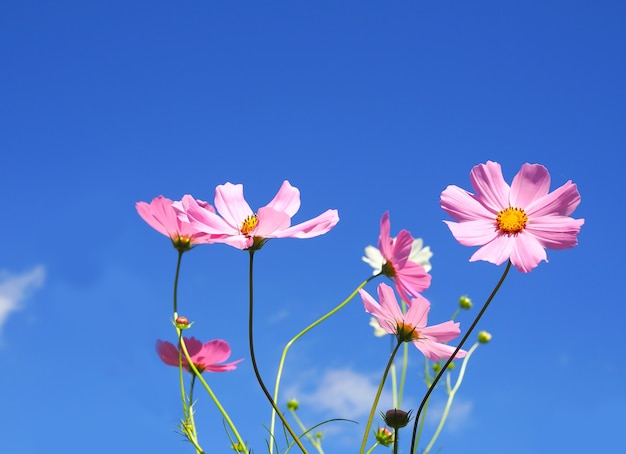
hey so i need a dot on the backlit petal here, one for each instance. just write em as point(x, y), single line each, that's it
point(531, 183)
point(489, 185)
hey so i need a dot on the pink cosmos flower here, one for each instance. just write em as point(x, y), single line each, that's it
point(411, 327)
point(514, 222)
point(242, 228)
point(204, 356)
point(167, 217)
point(410, 277)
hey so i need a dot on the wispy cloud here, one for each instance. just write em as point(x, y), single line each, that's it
point(14, 288)
point(342, 393)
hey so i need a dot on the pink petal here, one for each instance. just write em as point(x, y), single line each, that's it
point(384, 239)
point(167, 352)
point(286, 200)
point(213, 352)
point(270, 223)
point(463, 206)
point(417, 314)
point(562, 201)
point(313, 227)
point(531, 183)
point(389, 303)
point(555, 232)
point(207, 221)
point(413, 278)
point(489, 185)
point(473, 233)
point(372, 307)
point(194, 346)
point(401, 249)
point(159, 215)
point(222, 367)
point(527, 252)
point(436, 351)
point(231, 205)
point(496, 251)
point(443, 332)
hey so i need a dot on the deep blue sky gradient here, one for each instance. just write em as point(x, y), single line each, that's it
point(364, 106)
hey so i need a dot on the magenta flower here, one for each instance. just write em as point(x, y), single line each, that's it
point(410, 277)
point(242, 228)
point(204, 356)
point(167, 217)
point(514, 222)
point(411, 327)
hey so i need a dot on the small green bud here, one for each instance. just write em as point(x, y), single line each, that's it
point(451, 366)
point(396, 418)
point(238, 447)
point(319, 435)
point(436, 367)
point(293, 405)
point(484, 337)
point(384, 436)
point(182, 322)
point(465, 302)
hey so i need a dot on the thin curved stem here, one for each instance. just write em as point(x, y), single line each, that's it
point(378, 393)
point(451, 394)
point(208, 389)
point(254, 363)
point(445, 366)
point(298, 336)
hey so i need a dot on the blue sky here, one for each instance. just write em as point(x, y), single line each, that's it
point(365, 107)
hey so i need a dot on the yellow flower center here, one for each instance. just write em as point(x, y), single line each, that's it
point(511, 220)
point(181, 243)
point(249, 224)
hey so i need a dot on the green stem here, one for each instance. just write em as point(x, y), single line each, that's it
point(395, 441)
point(451, 394)
point(208, 389)
point(254, 363)
point(306, 432)
point(445, 366)
point(405, 365)
point(378, 393)
point(295, 338)
point(369, 451)
point(178, 262)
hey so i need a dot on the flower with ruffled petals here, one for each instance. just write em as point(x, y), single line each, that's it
point(166, 217)
point(411, 327)
point(206, 357)
point(242, 228)
point(419, 254)
point(409, 276)
point(516, 222)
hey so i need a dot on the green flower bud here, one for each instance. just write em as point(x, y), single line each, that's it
point(484, 337)
point(293, 405)
point(238, 447)
point(182, 322)
point(384, 436)
point(465, 302)
point(396, 418)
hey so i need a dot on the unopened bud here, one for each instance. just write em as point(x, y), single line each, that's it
point(182, 322)
point(384, 436)
point(396, 418)
point(293, 405)
point(465, 302)
point(484, 337)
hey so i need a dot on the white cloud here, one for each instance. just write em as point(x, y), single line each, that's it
point(342, 393)
point(15, 288)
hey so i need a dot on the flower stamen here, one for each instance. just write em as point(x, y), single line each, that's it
point(511, 220)
point(249, 224)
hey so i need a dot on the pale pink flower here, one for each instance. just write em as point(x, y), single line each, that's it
point(411, 327)
point(242, 228)
point(514, 222)
point(204, 356)
point(409, 277)
point(166, 217)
